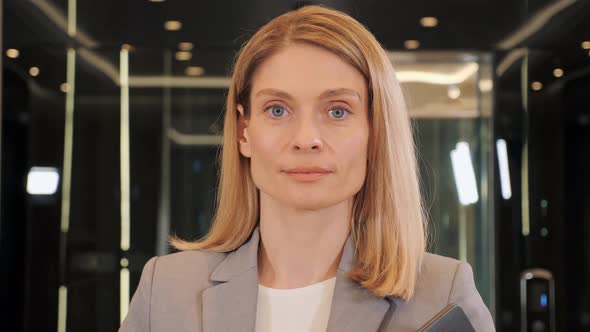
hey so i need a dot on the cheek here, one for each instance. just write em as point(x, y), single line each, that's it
point(266, 146)
point(354, 151)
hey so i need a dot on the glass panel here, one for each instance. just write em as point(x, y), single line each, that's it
point(449, 98)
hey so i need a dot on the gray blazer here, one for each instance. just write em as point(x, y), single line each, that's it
point(212, 292)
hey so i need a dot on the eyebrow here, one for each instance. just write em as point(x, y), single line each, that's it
point(325, 94)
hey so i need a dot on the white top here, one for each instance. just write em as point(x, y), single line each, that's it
point(304, 309)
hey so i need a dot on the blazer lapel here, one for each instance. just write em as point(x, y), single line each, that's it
point(231, 304)
point(355, 308)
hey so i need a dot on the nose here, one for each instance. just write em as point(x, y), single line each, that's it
point(307, 135)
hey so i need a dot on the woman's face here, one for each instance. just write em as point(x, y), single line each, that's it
point(308, 108)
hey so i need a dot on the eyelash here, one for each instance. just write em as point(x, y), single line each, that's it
point(331, 109)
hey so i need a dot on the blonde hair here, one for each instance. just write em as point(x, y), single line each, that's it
point(389, 221)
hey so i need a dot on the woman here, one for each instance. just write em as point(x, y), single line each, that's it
point(319, 223)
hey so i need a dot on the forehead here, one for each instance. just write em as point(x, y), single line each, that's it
point(307, 71)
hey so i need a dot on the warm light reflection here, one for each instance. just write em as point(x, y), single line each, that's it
point(411, 44)
point(429, 22)
point(34, 71)
point(172, 25)
point(557, 72)
point(183, 56)
point(194, 71)
point(586, 45)
point(536, 86)
point(185, 46)
point(12, 53)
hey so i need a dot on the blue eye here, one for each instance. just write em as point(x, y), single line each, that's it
point(338, 113)
point(276, 111)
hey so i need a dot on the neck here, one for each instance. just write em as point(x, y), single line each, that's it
point(300, 247)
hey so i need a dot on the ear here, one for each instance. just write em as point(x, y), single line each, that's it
point(242, 134)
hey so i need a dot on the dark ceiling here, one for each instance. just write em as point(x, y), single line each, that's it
point(218, 28)
point(467, 24)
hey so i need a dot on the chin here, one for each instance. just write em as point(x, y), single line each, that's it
point(312, 202)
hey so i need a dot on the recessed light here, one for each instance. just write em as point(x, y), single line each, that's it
point(183, 55)
point(557, 72)
point(33, 71)
point(537, 86)
point(173, 25)
point(411, 44)
point(12, 53)
point(185, 46)
point(194, 71)
point(429, 22)
point(485, 84)
point(586, 45)
point(453, 92)
point(64, 87)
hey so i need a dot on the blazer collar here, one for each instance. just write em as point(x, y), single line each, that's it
point(230, 305)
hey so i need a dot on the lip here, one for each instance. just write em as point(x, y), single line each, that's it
point(309, 169)
point(307, 174)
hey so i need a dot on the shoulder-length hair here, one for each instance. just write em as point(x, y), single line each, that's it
point(389, 221)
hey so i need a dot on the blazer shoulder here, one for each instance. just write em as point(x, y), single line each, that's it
point(435, 280)
point(190, 264)
point(169, 281)
point(442, 280)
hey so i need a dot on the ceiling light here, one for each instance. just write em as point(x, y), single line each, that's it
point(411, 44)
point(34, 71)
point(12, 53)
point(172, 25)
point(586, 45)
point(557, 72)
point(185, 46)
point(183, 55)
point(453, 92)
point(194, 71)
point(429, 22)
point(466, 71)
point(536, 85)
point(126, 47)
point(64, 87)
point(42, 180)
point(485, 84)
